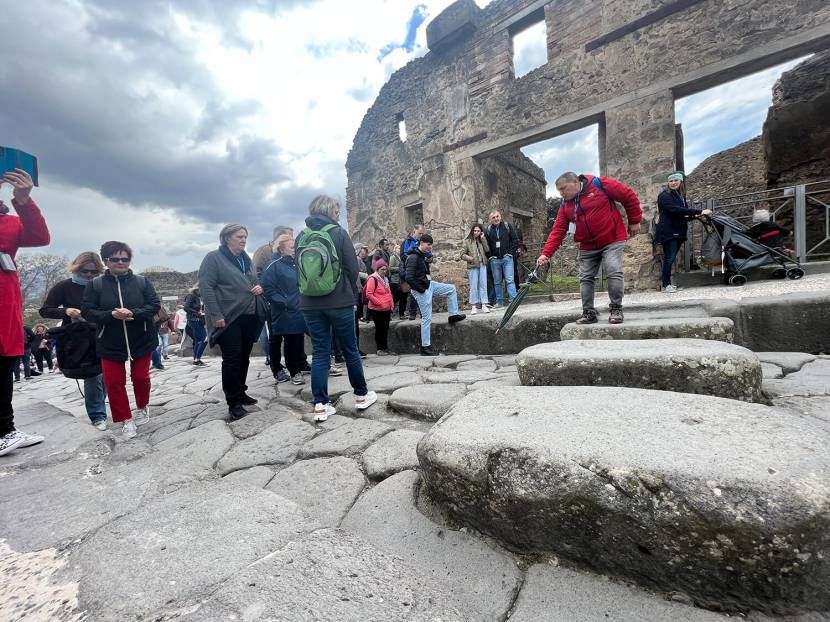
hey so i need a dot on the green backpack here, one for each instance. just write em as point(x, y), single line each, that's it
point(318, 266)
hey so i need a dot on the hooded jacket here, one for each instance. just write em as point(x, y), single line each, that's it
point(279, 285)
point(347, 290)
point(417, 271)
point(140, 297)
point(675, 214)
point(598, 221)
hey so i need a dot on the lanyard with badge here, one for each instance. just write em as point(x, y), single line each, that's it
point(498, 235)
point(572, 225)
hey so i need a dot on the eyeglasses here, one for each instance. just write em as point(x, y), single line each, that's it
point(89, 271)
point(119, 259)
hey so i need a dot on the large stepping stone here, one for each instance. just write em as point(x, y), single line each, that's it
point(481, 578)
point(681, 492)
point(713, 328)
point(682, 365)
point(277, 444)
point(326, 487)
point(392, 454)
point(257, 476)
point(330, 575)
point(427, 401)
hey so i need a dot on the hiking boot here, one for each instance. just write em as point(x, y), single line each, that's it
point(141, 415)
point(456, 318)
point(237, 412)
point(589, 316)
point(297, 378)
point(247, 400)
point(10, 442)
point(129, 430)
point(362, 402)
point(427, 351)
point(323, 411)
point(615, 317)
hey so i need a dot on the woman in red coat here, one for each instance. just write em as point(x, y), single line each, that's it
point(28, 228)
point(379, 295)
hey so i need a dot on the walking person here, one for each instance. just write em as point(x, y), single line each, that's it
point(474, 252)
point(328, 281)
point(672, 228)
point(589, 209)
point(381, 302)
point(26, 229)
point(41, 351)
point(63, 302)
point(279, 285)
point(424, 288)
point(165, 327)
point(235, 312)
point(122, 305)
point(196, 323)
point(503, 242)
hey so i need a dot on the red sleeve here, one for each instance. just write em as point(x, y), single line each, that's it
point(558, 233)
point(625, 195)
point(33, 229)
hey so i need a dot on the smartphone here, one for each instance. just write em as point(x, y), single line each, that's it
point(11, 159)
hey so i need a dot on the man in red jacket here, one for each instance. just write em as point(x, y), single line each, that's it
point(589, 211)
point(26, 229)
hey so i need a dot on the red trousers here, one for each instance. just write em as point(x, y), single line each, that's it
point(115, 382)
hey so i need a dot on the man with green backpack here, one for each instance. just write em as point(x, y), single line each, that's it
point(327, 275)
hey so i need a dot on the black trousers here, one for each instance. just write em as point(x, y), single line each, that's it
point(236, 343)
point(41, 355)
point(294, 353)
point(6, 390)
point(381, 319)
point(275, 347)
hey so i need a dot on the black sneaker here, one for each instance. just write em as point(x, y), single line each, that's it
point(456, 318)
point(588, 317)
point(237, 412)
point(616, 316)
point(362, 354)
point(427, 351)
point(247, 400)
point(412, 317)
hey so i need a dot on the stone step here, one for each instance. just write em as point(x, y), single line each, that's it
point(713, 328)
point(685, 493)
point(683, 365)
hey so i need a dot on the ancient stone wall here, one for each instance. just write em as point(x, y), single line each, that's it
point(607, 64)
point(172, 284)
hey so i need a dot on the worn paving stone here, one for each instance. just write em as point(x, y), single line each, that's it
point(380, 361)
point(553, 593)
point(214, 412)
point(162, 433)
point(64, 435)
point(504, 380)
point(346, 440)
point(482, 579)
point(257, 422)
point(478, 365)
point(427, 401)
point(325, 487)
point(817, 406)
point(771, 372)
point(713, 328)
point(277, 444)
point(505, 360)
point(683, 365)
point(790, 362)
point(451, 360)
point(330, 575)
point(168, 554)
point(392, 454)
point(812, 379)
point(257, 476)
point(391, 382)
point(189, 400)
point(460, 377)
point(700, 499)
point(381, 411)
point(414, 360)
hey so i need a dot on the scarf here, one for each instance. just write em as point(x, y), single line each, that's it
point(241, 261)
point(77, 279)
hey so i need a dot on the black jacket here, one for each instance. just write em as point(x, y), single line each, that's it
point(508, 238)
point(64, 295)
point(674, 216)
point(30, 340)
point(417, 271)
point(193, 306)
point(140, 297)
point(347, 290)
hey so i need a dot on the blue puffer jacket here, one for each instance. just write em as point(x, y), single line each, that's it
point(675, 214)
point(279, 284)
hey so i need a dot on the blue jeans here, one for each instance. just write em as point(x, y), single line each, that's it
point(155, 357)
point(94, 396)
point(164, 342)
point(503, 271)
point(425, 305)
point(27, 365)
point(321, 323)
point(670, 248)
point(199, 338)
point(478, 285)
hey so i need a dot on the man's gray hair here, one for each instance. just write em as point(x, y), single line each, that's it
point(323, 205)
point(567, 177)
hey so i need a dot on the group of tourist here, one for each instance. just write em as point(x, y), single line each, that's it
point(319, 284)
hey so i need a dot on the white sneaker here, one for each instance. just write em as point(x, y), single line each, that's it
point(485, 308)
point(297, 378)
point(141, 415)
point(129, 430)
point(670, 289)
point(323, 411)
point(362, 402)
point(335, 370)
point(10, 442)
point(474, 310)
point(101, 424)
point(29, 439)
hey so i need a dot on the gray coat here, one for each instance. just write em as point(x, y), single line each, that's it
point(226, 292)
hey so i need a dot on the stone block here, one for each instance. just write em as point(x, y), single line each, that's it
point(427, 401)
point(682, 365)
point(457, 21)
point(789, 362)
point(347, 440)
point(714, 328)
point(392, 454)
point(679, 492)
point(277, 444)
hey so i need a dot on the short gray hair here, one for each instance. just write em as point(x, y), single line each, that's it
point(323, 205)
point(567, 177)
point(228, 230)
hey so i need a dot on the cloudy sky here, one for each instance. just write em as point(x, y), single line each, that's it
point(157, 121)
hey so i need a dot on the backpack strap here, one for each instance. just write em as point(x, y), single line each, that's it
point(98, 284)
point(597, 183)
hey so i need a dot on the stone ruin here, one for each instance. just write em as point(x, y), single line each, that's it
point(466, 115)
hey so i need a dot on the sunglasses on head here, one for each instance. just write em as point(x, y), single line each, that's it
point(119, 259)
point(89, 271)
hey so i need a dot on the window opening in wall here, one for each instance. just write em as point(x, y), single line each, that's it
point(414, 215)
point(530, 48)
point(576, 151)
point(401, 126)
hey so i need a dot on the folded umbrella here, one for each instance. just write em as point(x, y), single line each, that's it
point(524, 288)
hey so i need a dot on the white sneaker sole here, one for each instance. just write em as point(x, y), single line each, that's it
point(10, 448)
point(366, 403)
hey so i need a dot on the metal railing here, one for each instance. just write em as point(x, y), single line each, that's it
point(803, 208)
